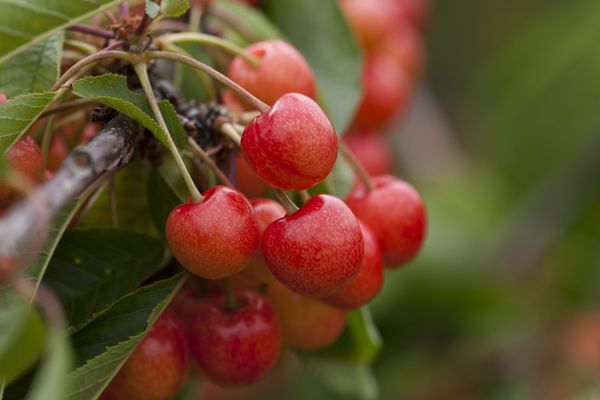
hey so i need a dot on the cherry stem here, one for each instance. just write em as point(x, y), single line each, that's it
point(203, 78)
point(142, 73)
point(209, 161)
point(83, 47)
point(234, 22)
point(67, 106)
point(304, 196)
point(240, 91)
point(47, 136)
point(210, 40)
point(229, 130)
point(285, 201)
point(231, 303)
point(92, 30)
point(246, 117)
point(359, 171)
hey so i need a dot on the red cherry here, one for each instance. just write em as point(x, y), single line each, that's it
point(247, 181)
point(266, 211)
point(315, 250)
point(405, 47)
point(158, 367)
point(215, 238)
point(371, 150)
point(386, 91)
point(367, 283)
point(372, 21)
point(293, 146)
point(2, 98)
point(396, 214)
point(282, 70)
point(416, 11)
point(306, 323)
point(57, 153)
point(235, 347)
point(25, 157)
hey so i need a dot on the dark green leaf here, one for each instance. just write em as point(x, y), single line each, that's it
point(18, 113)
point(33, 70)
point(93, 268)
point(26, 23)
point(161, 200)
point(112, 90)
point(103, 346)
point(330, 48)
point(174, 8)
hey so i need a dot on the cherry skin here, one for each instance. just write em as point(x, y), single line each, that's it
point(2, 98)
point(396, 214)
point(247, 181)
point(386, 92)
point(417, 12)
point(293, 146)
point(25, 157)
point(405, 47)
point(315, 250)
point(361, 289)
point(282, 70)
point(266, 211)
point(235, 347)
point(215, 238)
point(371, 21)
point(306, 323)
point(371, 150)
point(158, 367)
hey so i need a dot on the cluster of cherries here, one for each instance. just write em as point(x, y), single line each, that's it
point(294, 272)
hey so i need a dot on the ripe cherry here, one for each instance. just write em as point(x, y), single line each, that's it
point(315, 250)
point(158, 367)
point(396, 214)
point(372, 21)
point(235, 347)
point(2, 98)
point(266, 211)
point(361, 289)
point(25, 157)
point(386, 92)
point(282, 70)
point(405, 47)
point(415, 11)
point(215, 238)
point(306, 323)
point(293, 146)
point(247, 181)
point(371, 150)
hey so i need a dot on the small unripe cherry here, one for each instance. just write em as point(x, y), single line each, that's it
point(235, 347)
point(315, 250)
point(293, 146)
point(214, 238)
point(371, 150)
point(266, 211)
point(361, 289)
point(158, 367)
point(282, 70)
point(306, 323)
point(25, 157)
point(395, 212)
point(386, 92)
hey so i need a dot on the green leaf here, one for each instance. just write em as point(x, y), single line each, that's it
point(341, 178)
point(51, 382)
point(173, 123)
point(26, 23)
point(161, 200)
point(33, 70)
point(252, 20)
point(93, 268)
point(152, 9)
point(360, 341)
point(103, 346)
point(22, 335)
point(112, 90)
point(174, 8)
point(326, 41)
point(350, 380)
point(18, 113)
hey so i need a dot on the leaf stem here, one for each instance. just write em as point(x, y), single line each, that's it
point(240, 91)
point(92, 30)
point(210, 40)
point(142, 73)
point(209, 161)
point(359, 171)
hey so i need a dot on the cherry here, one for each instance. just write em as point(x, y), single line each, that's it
point(235, 347)
point(361, 289)
point(316, 249)
point(415, 11)
point(247, 181)
point(405, 47)
point(293, 146)
point(371, 151)
point(25, 157)
point(386, 91)
point(57, 153)
point(3, 98)
point(396, 214)
point(215, 238)
point(371, 21)
point(266, 211)
point(282, 70)
point(307, 323)
point(158, 367)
